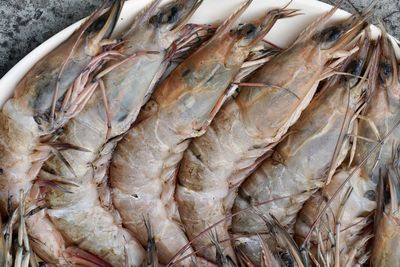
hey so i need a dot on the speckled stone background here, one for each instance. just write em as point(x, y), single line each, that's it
point(24, 24)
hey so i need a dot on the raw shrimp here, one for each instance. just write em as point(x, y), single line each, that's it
point(296, 166)
point(375, 122)
point(387, 233)
point(39, 106)
point(75, 210)
point(183, 106)
point(249, 125)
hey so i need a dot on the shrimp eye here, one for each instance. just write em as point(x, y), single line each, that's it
point(330, 35)
point(168, 16)
point(287, 259)
point(387, 69)
point(370, 194)
point(356, 67)
point(249, 31)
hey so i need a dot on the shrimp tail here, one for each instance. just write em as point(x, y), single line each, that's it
point(228, 23)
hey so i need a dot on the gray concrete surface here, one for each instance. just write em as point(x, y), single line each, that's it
point(24, 24)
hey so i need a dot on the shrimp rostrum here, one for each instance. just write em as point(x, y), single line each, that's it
point(183, 105)
point(75, 210)
point(40, 104)
point(249, 125)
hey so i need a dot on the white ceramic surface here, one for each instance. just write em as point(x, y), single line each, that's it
point(211, 11)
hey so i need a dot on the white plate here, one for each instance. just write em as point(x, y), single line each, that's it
point(211, 11)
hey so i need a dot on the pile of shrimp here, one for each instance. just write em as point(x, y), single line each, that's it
point(180, 144)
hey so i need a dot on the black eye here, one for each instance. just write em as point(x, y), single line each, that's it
point(167, 16)
point(356, 67)
point(331, 34)
point(247, 31)
point(387, 69)
point(287, 259)
point(251, 31)
point(370, 194)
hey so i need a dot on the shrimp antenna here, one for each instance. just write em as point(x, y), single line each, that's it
point(390, 14)
point(288, 4)
point(354, 7)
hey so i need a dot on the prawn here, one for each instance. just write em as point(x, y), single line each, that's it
point(75, 210)
point(296, 166)
point(39, 107)
point(183, 105)
point(249, 125)
point(380, 115)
